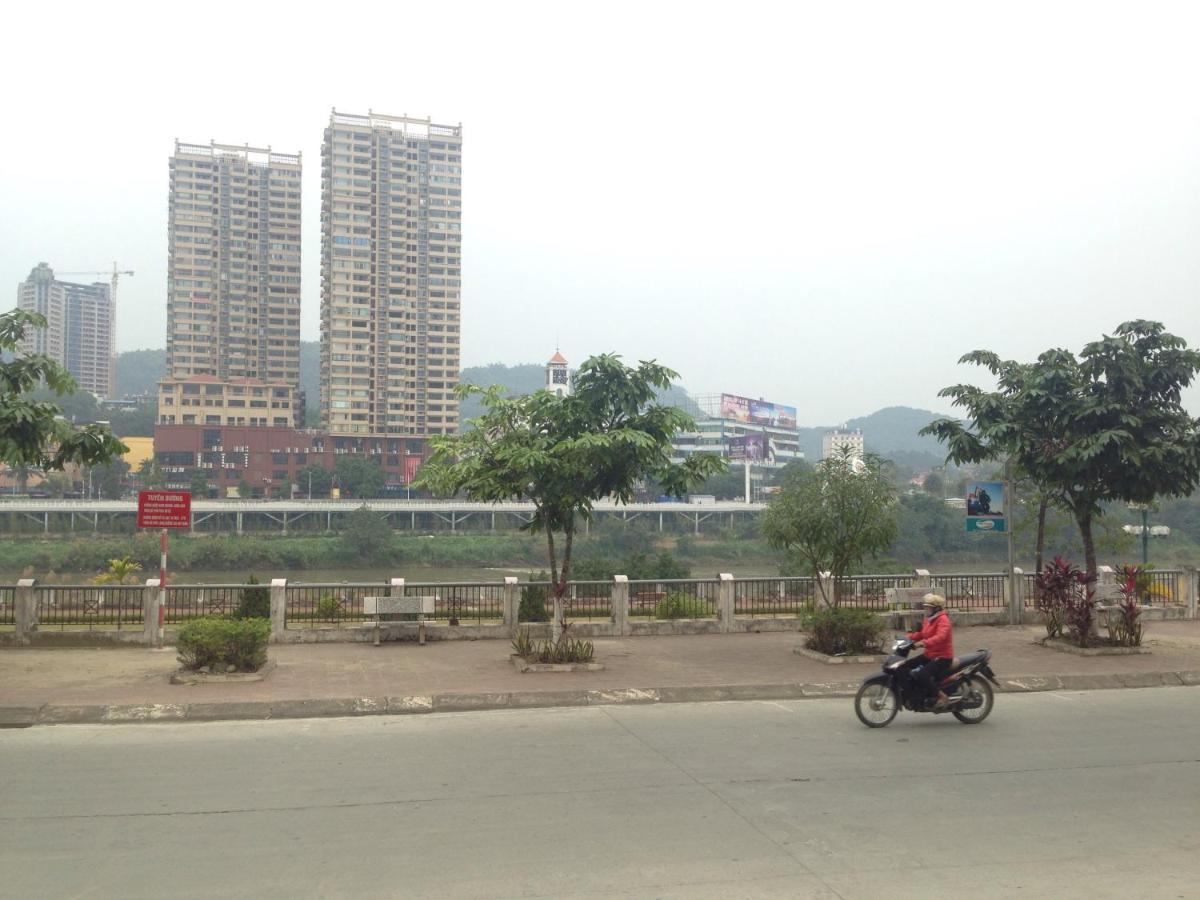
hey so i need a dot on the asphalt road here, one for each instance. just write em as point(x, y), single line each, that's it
point(1092, 794)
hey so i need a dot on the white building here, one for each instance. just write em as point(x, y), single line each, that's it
point(738, 429)
point(832, 442)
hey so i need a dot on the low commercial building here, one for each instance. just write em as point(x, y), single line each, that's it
point(740, 429)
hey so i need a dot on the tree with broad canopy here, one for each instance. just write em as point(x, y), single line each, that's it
point(1106, 426)
point(566, 453)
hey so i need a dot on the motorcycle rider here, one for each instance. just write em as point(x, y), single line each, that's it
point(936, 640)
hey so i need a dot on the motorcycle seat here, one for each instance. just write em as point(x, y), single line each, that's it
point(961, 662)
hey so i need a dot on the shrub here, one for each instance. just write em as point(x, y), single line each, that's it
point(253, 602)
point(1124, 625)
point(220, 642)
point(844, 630)
point(330, 607)
point(680, 605)
point(1057, 588)
point(533, 600)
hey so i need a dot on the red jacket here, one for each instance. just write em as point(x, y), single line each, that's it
point(935, 632)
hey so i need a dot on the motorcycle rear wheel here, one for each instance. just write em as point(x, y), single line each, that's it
point(978, 714)
point(876, 705)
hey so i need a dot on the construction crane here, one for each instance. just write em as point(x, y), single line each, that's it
point(115, 274)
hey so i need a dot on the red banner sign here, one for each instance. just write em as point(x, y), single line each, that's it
point(164, 509)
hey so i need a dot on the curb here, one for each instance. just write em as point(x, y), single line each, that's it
point(53, 714)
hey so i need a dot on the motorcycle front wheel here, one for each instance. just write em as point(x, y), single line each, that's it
point(876, 704)
point(981, 712)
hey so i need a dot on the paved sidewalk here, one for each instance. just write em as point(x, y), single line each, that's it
point(131, 684)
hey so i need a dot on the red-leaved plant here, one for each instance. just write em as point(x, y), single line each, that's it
point(1124, 624)
point(1057, 586)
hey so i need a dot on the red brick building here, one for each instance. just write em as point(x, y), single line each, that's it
point(270, 459)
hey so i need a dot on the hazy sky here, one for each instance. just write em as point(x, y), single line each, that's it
point(820, 204)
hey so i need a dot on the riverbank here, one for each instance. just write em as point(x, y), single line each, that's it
point(441, 557)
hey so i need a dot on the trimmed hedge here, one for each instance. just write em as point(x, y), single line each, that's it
point(219, 643)
point(844, 630)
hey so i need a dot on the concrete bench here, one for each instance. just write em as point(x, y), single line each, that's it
point(378, 607)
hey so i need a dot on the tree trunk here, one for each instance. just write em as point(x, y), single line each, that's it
point(1040, 548)
point(556, 598)
point(1084, 520)
point(559, 626)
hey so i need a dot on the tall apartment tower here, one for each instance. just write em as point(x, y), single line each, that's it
point(233, 288)
point(80, 327)
point(391, 263)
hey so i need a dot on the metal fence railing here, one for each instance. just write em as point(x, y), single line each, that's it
point(773, 597)
point(868, 591)
point(676, 598)
point(329, 604)
point(1164, 587)
point(464, 603)
point(972, 591)
point(8, 600)
point(191, 601)
point(90, 607)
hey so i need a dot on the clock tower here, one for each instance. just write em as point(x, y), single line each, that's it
point(558, 376)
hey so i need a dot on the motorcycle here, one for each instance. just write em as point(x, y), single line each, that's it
point(966, 684)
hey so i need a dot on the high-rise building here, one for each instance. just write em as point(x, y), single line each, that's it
point(391, 263)
point(843, 439)
point(80, 327)
point(233, 288)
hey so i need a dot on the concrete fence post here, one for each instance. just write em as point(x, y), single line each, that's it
point(922, 579)
point(1190, 588)
point(725, 601)
point(25, 611)
point(620, 604)
point(512, 604)
point(278, 609)
point(151, 600)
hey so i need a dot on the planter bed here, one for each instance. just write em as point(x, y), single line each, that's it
point(521, 664)
point(872, 658)
point(192, 676)
point(1097, 649)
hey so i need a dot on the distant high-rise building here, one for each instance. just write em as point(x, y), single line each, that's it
point(833, 442)
point(233, 288)
point(391, 264)
point(80, 327)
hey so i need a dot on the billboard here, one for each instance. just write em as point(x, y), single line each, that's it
point(757, 412)
point(985, 506)
point(750, 447)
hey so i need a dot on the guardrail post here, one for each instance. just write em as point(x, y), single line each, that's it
point(1016, 603)
point(278, 608)
point(620, 604)
point(922, 579)
point(25, 611)
point(151, 599)
point(512, 603)
point(1190, 587)
point(725, 601)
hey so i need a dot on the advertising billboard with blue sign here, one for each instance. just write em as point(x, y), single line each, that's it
point(985, 506)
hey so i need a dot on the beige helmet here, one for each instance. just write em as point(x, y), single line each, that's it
point(937, 601)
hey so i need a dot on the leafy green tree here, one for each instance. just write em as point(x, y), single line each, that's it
point(32, 434)
point(1106, 426)
point(729, 485)
point(108, 481)
point(836, 515)
point(243, 488)
point(151, 475)
point(359, 476)
point(365, 534)
point(199, 484)
point(120, 571)
point(314, 480)
point(565, 453)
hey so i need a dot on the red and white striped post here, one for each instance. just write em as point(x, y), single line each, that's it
point(162, 583)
